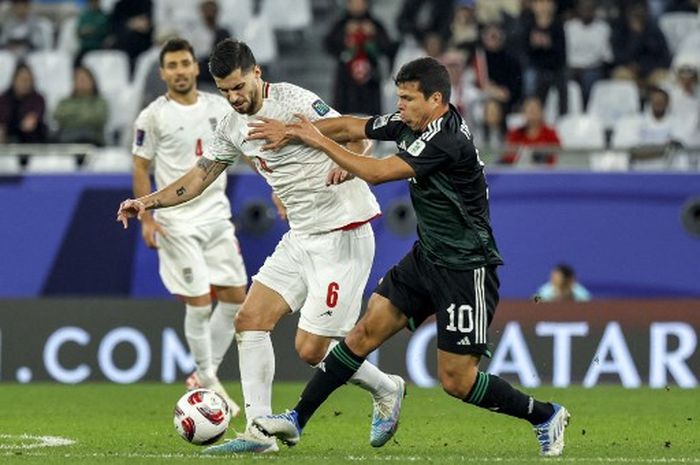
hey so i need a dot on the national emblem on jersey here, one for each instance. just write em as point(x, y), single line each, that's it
point(416, 147)
point(321, 107)
point(140, 137)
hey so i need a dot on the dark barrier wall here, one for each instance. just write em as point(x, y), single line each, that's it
point(633, 343)
point(624, 233)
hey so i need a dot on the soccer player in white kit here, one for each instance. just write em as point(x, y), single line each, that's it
point(321, 265)
point(196, 242)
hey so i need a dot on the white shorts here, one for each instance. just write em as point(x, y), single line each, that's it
point(192, 258)
point(323, 275)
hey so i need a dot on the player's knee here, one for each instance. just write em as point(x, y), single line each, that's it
point(245, 320)
point(456, 383)
point(310, 353)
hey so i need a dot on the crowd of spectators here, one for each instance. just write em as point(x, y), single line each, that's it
point(517, 66)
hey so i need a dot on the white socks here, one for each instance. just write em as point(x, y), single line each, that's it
point(256, 362)
point(369, 377)
point(222, 331)
point(198, 334)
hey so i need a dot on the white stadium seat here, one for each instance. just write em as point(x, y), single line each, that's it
point(626, 132)
point(109, 160)
point(690, 43)
point(110, 68)
point(235, 15)
point(677, 26)
point(68, 36)
point(260, 37)
point(9, 164)
point(575, 102)
point(53, 75)
point(8, 62)
point(612, 100)
point(284, 17)
point(45, 164)
point(581, 132)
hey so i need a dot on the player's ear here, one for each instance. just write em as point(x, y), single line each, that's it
point(258, 71)
point(161, 71)
point(196, 68)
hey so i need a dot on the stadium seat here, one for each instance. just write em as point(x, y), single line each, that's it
point(109, 160)
point(68, 36)
point(626, 132)
point(8, 62)
point(47, 32)
point(53, 75)
point(235, 15)
point(9, 164)
point(111, 69)
point(284, 18)
point(575, 102)
point(612, 100)
point(676, 26)
point(581, 132)
point(690, 43)
point(51, 164)
point(260, 37)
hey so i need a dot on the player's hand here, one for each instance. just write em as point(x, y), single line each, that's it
point(130, 208)
point(149, 229)
point(338, 176)
point(305, 131)
point(271, 130)
point(281, 209)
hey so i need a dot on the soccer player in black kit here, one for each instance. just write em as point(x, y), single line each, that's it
point(451, 270)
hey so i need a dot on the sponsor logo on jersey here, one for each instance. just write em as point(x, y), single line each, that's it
point(416, 147)
point(212, 123)
point(321, 107)
point(402, 145)
point(140, 137)
point(464, 341)
point(380, 122)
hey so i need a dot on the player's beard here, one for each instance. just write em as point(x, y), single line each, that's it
point(183, 86)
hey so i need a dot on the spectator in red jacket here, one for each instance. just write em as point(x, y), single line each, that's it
point(534, 133)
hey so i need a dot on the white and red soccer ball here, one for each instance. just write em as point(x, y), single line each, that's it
point(201, 416)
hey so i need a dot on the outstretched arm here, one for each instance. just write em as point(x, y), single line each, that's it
point(372, 170)
point(189, 186)
point(343, 129)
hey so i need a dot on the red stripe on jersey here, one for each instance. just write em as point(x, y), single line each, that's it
point(356, 224)
point(266, 90)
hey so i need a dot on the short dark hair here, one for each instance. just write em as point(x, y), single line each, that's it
point(176, 44)
point(566, 271)
point(430, 74)
point(230, 55)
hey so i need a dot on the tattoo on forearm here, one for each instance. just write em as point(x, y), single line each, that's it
point(210, 168)
point(181, 191)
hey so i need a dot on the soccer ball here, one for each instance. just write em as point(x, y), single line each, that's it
point(201, 416)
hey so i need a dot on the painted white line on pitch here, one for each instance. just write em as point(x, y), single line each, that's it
point(363, 458)
point(28, 441)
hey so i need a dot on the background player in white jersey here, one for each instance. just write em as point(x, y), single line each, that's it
point(196, 242)
point(319, 268)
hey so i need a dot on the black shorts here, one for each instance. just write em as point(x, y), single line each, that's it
point(464, 301)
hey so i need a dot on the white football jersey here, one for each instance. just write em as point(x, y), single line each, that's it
point(297, 173)
point(173, 136)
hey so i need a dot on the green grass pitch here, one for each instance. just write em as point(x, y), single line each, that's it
point(132, 424)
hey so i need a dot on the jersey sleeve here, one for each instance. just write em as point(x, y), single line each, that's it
point(145, 137)
point(222, 148)
point(384, 127)
point(428, 154)
point(306, 102)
